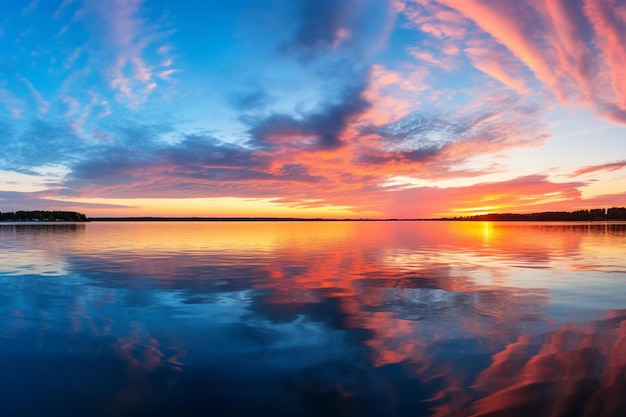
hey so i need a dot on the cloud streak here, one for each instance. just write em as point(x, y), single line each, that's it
point(121, 29)
point(558, 41)
point(612, 166)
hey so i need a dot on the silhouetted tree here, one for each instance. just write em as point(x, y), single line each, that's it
point(44, 216)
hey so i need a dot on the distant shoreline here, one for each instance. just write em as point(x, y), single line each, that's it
point(287, 219)
point(40, 223)
point(614, 214)
point(590, 215)
point(284, 220)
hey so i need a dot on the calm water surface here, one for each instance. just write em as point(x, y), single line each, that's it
point(313, 319)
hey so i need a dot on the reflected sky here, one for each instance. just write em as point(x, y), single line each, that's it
point(313, 318)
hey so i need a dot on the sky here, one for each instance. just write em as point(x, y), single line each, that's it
point(312, 108)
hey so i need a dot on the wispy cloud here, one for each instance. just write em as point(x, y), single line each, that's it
point(11, 103)
point(44, 106)
point(573, 49)
point(30, 7)
point(608, 21)
point(165, 75)
point(62, 7)
point(441, 142)
point(392, 94)
point(612, 166)
point(126, 35)
point(488, 58)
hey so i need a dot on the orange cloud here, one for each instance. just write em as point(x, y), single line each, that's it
point(526, 194)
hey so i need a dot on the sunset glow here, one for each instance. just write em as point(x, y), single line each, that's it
point(312, 108)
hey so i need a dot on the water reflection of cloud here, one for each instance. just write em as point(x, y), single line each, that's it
point(577, 370)
point(439, 321)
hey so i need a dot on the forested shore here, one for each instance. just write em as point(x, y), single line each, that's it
point(42, 216)
point(614, 213)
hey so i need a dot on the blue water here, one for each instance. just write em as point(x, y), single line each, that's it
point(313, 319)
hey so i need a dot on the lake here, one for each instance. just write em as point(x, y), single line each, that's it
point(313, 319)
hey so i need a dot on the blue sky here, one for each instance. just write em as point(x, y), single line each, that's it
point(312, 108)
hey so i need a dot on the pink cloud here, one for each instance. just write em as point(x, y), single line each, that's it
point(164, 49)
point(607, 19)
point(494, 63)
point(442, 61)
point(442, 30)
point(125, 36)
point(502, 21)
point(574, 49)
point(613, 166)
point(572, 52)
point(433, 18)
point(165, 75)
point(391, 94)
point(149, 88)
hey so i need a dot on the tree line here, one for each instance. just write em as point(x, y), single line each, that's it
point(614, 213)
point(42, 216)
